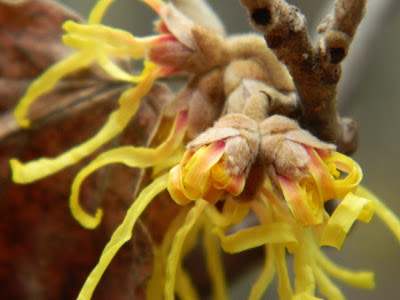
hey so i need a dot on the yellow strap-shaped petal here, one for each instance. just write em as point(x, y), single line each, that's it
point(121, 235)
point(184, 286)
point(110, 40)
point(175, 188)
point(214, 264)
point(115, 71)
point(343, 218)
point(134, 157)
point(360, 279)
point(129, 103)
point(97, 13)
point(326, 286)
point(160, 254)
point(244, 239)
point(324, 183)
point(232, 213)
point(354, 173)
point(175, 257)
point(47, 81)
point(304, 276)
point(285, 290)
point(266, 276)
point(196, 173)
point(307, 210)
point(382, 211)
point(234, 210)
point(169, 162)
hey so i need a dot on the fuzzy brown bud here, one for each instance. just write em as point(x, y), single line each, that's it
point(240, 134)
point(189, 47)
point(283, 147)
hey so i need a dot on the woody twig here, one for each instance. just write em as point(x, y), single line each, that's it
point(315, 70)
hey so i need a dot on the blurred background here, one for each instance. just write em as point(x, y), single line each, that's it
point(369, 93)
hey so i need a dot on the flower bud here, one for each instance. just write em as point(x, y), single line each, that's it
point(307, 171)
point(216, 162)
point(186, 46)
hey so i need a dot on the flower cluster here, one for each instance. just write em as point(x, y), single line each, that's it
point(249, 160)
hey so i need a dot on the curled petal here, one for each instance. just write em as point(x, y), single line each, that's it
point(175, 186)
point(197, 171)
point(345, 164)
point(232, 184)
point(130, 156)
point(129, 103)
point(351, 208)
point(306, 207)
point(324, 182)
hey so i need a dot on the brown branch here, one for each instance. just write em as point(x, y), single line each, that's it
point(315, 70)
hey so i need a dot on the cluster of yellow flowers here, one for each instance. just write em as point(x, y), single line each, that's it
point(300, 175)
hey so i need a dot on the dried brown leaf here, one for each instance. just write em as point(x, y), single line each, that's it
point(44, 253)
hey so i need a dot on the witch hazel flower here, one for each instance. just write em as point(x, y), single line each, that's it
point(163, 55)
point(295, 173)
point(307, 171)
point(217, 162)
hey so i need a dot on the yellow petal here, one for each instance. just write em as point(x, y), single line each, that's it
point(184, 286)
point(326, 286)
point(266, 276)
point(121, 235)
point(175, 186)
point(47, 81)
point(343, 218)
point(244, 239)
point(234, 210)
point(360, 279)
point(175, 257)
point(285, 290)
point(196, 173)
point(117, 121)
point(304, 276)
point(234, 185)
point(214, 264)
point(98, 11)
point(115, 71)
point(306, 209)
point(345, 164)
point(382, 211)
point(324, 182)
point(108, 40)
point(134, 157)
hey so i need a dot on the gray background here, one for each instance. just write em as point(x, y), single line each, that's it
point(370, 93)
